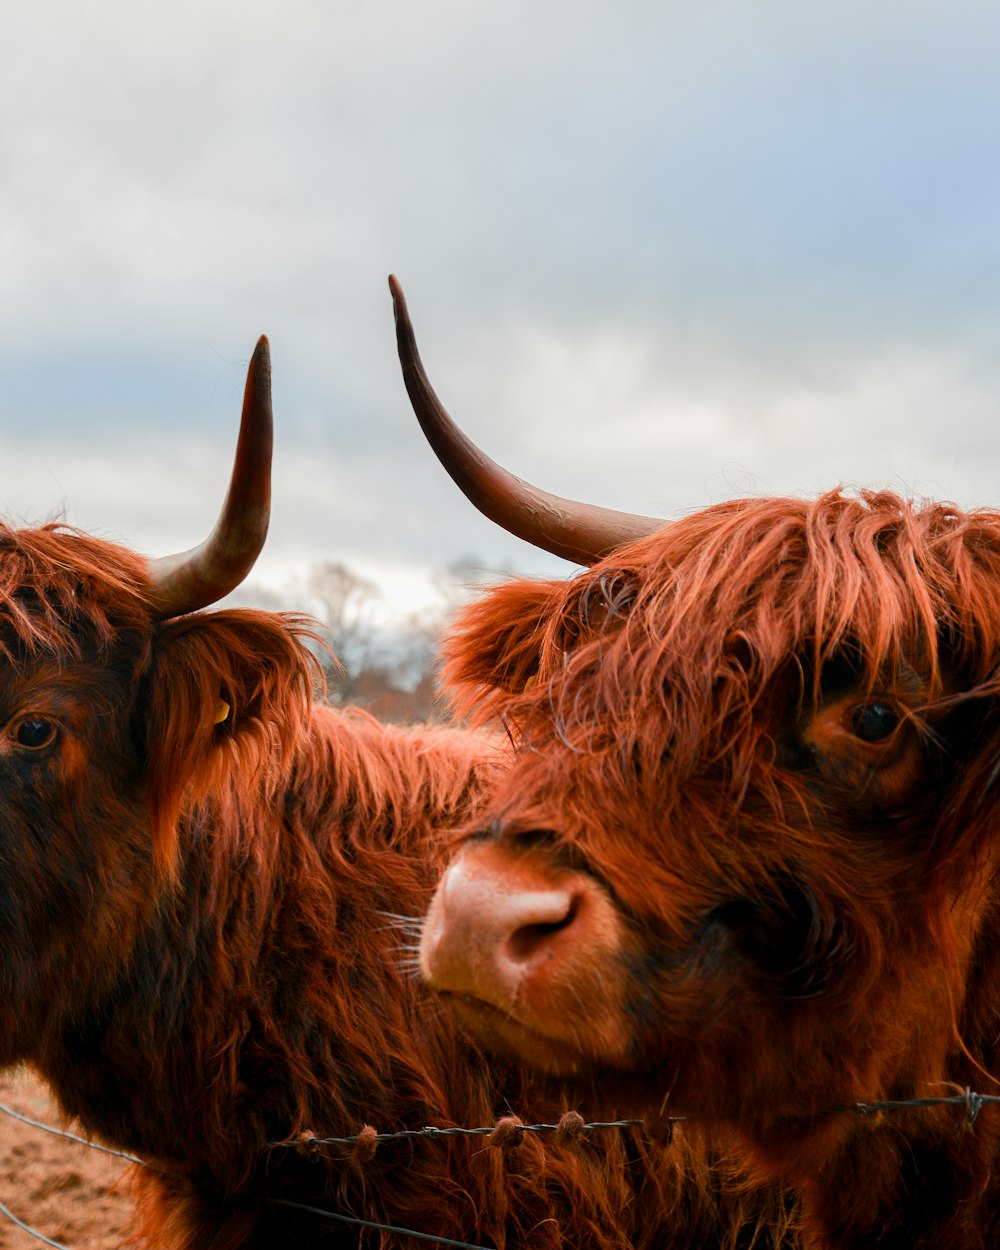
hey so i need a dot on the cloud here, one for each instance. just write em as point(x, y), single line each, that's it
point(656, 255)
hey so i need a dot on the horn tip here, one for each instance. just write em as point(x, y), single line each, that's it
point(398, 299)
point(259, 370)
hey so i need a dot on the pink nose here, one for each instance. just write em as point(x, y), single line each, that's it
point(501, 917)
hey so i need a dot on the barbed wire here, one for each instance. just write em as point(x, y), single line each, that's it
point(571, 1125)
point(505, 1133)
point(969, 1099)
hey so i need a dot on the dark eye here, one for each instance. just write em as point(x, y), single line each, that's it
point(34, 732)
point(873, 722)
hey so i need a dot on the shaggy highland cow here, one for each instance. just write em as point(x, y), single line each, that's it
point(746, 855)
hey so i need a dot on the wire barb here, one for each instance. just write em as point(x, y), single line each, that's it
point(974, 1104)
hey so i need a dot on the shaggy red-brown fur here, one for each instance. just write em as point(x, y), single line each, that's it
point(196, 949)
point(747, 853)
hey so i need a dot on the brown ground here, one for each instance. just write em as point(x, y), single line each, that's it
point(73, 1195)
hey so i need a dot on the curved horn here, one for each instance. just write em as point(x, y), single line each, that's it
point(580, 532)
point(194, 579)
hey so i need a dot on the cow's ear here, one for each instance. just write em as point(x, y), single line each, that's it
point(496, 645)
point(228, 693)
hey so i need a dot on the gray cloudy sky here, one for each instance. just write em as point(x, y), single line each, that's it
point(657, 254)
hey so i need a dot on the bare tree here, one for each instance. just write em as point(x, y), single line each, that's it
point(346, 605)
point(385, 662)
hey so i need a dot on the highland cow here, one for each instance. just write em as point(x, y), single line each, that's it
point(745, 857)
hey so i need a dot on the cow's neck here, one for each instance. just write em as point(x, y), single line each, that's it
point(924, 1178)
point(228, 967)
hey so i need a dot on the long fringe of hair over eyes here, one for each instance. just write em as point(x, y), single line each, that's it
point(64, 594)
point(724, 597)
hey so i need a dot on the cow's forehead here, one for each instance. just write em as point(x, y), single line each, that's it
point(61, 590)
point(874, 569)
point(685, 635)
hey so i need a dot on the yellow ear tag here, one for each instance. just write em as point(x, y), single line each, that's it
point(221, 712)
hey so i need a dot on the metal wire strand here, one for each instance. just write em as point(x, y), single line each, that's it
point(382, 1228)
point(83, 1141)
point(33, 1232)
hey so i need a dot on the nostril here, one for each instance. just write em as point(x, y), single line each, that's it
point(526, 942)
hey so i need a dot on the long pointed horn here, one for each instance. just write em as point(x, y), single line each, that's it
point(581, 532)
point(194, 579)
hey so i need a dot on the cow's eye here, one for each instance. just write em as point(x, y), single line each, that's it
point(34, 732)
point(874, 722)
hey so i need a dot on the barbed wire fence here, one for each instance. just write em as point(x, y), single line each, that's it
point(507, 1132)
